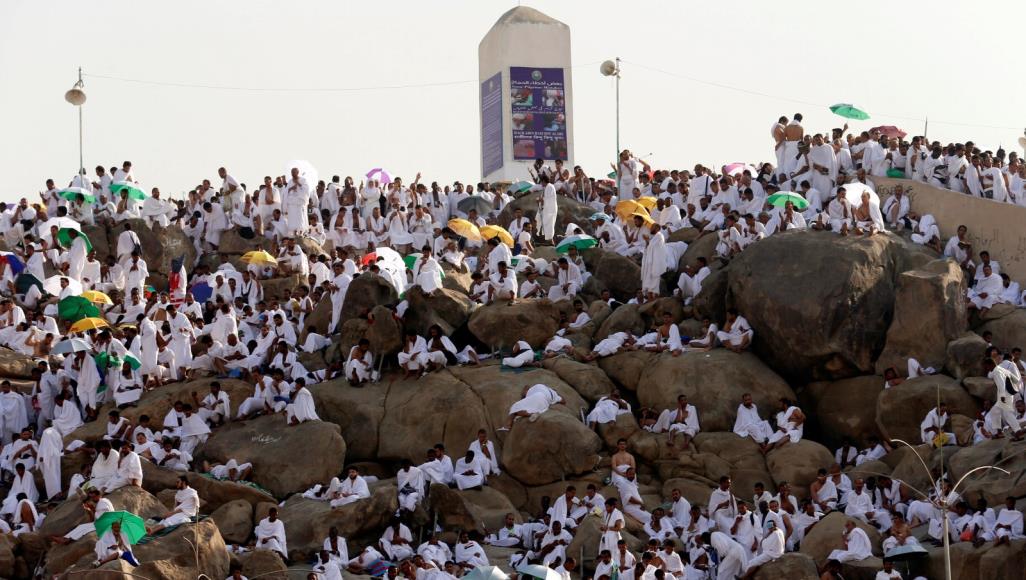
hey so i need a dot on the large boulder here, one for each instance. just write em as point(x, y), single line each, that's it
point(437, 408)
point(618, 274)
point(501, 325)
point(626, 318)
point(587, 379)
point(269, 444)
point(481, 510)
point(627, 368)
point(449, 309)
point(929, 312)
point(156, 405)
point(825, 536)
point(14, 365)
point(797, 464)
point(234, 520)
point(713, 381)
point(965, 356)
point(843, 409)
point(307, 521)
point(213, 492)
point(900, 410)
point(711, 301)
point(172, 556)
point(365, 292)
point(992, 485)
point(745, 465)
point(1008, 331)
point(832, 328)
point(233, 244)
point(383, 330)
point(793, 566)
point(553, 447)
point(69, 513)
point(160, 246)
point(357, 411)
point(262, 563)
point(587, 537)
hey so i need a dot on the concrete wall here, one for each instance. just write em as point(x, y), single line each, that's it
point(999, 228)
point(525, 37)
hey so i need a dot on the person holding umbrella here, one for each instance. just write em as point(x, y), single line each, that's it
point(114, 544)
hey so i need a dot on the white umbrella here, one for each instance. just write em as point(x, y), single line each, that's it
point(52, 285)
point(61, 223)
point(486, 573)
point(540, 572)
point(71, 345)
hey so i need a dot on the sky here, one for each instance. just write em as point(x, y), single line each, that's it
point(702, 82)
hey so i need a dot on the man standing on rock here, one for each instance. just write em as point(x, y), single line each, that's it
point(723, 505)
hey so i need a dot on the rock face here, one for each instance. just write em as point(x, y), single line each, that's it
point(500, 325)
point(900, 410)
point(448, 309)
point(965, 356)
point(793, 566)
point(843, 409)
point(797, 464)
point(620, 275)
point(473, 509)
point(568, 211)
point(235, 521)
point(831, 329)
point(567, 446)
point(314, 451)
point(1009, 331)
point(365, 292)
point(715, 393)
point(929, 312)
point(159, 247)
point(14, 365)
point(307, 521)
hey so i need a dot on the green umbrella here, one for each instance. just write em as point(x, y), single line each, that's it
point(410, 261)
point(521, 186)
point(75, 308)
point(72, 193)
point(133, 190)
point(581, 242)
point(64, 238)
point(106, 360)
point(781, 199)
point(132, 526)
point(849, 111)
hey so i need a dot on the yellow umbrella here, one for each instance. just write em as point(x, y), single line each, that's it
point(466, 229)
point(88, 324)
point(488, 232)
point(647, 201)
point(97, 297)
point(259, 258)
point(628, 207)
point(644, 217)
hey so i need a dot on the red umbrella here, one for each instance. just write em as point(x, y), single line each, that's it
point(890, 131)
point(369, 258)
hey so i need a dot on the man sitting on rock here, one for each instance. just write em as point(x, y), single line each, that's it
point(859, 504)
point(790, 426)
point(737, 333)
point(931, 430)
point(749, 423)
point(270, 535)
point(856, 544)
point(187, 504)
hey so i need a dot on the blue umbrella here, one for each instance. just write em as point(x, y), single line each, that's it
point(14, 262)
point(599, 216)
point(202, 292)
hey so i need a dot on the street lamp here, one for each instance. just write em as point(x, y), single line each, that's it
point(77, 97)
point(941, 502)
point(611, 68)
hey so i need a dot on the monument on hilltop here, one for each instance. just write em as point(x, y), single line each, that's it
point(526, 94)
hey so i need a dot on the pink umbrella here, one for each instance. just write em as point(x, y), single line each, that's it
point(738, 168)
point(382, 175)
point(890, 131)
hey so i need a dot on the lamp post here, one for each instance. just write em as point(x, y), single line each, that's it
point(941, 502)
point(611, 68)
point(77, 97)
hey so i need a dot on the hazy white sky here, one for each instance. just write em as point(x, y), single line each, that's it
point(951, 61)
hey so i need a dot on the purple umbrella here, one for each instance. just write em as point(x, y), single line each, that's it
point(382, 175)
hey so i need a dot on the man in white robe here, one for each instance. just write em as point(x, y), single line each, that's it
point(548, 211)
point(411, 482)
point(469, 472)
point(771, 547)
point(856, 545)
point(723, 505)
point(302, 408)
point(485, 450)
point(187, 502)
point(51, 449)
point(733, 557)
point(653, 262)
point(270, 533)
point(749, 423)
point(296, 203)
point(987, 291)
point(535, 400)
point(353, 488)
point(568, 280)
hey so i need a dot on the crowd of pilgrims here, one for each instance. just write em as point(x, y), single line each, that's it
point(171, 336)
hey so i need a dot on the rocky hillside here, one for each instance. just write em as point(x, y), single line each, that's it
point(829, 314)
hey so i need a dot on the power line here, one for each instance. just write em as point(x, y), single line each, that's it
point(276, 89)
point(801, 102)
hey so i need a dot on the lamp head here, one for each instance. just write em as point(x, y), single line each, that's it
point(76, 96)
point(608, 68)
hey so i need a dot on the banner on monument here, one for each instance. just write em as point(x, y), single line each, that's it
point(539, 113)
point(491, 124)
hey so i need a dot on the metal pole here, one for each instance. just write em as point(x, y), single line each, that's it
point(81, 164)
point(618, 108)
point(947, 541)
